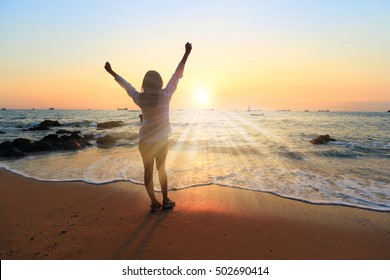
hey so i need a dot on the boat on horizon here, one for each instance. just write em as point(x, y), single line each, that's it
point(253, 110)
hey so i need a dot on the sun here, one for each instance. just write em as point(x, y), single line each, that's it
point(202, 96)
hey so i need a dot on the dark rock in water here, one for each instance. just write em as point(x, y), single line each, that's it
point(45, 125)
point(70, 137)
point(63, 131)
point(322, 139)
point(15, 148)
point(88, 137)
point(43, 146)
point(6, 145)
point(110, 124)
point(106, 141)
point(50, 123)
point(51, 138)
point(24, 145)
point(13, 152)
point(72, 142)
point(38, 127)
point(20, 142)
point(20, 146)
point(83, 142)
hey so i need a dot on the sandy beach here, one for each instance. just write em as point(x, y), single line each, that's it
point(76, 220)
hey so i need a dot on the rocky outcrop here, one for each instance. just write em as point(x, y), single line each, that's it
point(63, 131)
point(322, 139)
point(110, 124)
point(21, 147)
point(45, 125)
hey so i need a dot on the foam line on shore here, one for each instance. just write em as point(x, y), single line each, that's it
point(380, 208)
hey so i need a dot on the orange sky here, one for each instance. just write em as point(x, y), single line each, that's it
point(269, 54)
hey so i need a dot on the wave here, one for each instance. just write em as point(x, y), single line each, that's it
point(354, 150)
point(360, 203)
point(83, 123)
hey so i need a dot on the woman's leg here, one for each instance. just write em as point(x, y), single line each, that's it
point(148, 161)
point(148, 179)
point(162, 173)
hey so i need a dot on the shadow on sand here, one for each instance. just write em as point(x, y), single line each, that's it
point(138, 240)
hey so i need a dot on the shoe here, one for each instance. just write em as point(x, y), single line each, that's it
point(168, 204)
point(155, 208)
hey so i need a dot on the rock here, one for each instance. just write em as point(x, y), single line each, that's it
point(45, 125)
point(106, 141)
point(6, 145)
point(50, 123)
point(38, 127)
point(18, 142)
point(13, 152)
point(24, 145)
point(89, 137)
point(322, 139)
point(43, 146)
point(83, 141)
point(73, 136)
point(110, 124)
point(20, 146)
point(51, 138)
point(63, 131)
point(57, 144)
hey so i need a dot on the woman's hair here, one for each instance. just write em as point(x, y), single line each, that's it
point(151, 85)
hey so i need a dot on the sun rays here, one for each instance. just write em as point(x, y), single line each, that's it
point(210, 145)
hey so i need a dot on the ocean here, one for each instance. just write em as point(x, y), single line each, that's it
point(263, 151)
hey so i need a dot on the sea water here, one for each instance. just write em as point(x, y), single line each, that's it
point(267, 152)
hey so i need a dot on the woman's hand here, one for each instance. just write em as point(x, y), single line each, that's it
point(108, 68)
point(188, 48)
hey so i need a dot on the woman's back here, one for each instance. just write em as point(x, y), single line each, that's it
point(155, 125)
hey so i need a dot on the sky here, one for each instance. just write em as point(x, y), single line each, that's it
point(271, 55)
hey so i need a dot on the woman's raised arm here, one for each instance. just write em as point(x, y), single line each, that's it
point(187, 52)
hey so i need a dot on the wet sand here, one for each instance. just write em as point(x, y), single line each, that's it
point(76, 220)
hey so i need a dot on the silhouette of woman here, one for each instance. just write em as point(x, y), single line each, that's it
point(155, 129)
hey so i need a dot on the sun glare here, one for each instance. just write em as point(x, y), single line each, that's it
point(202, 96)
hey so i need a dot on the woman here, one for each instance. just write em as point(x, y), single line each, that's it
point(155, 129)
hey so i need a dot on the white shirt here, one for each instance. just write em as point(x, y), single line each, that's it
point(155, 126)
